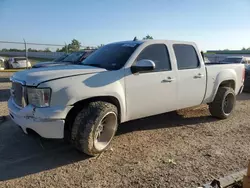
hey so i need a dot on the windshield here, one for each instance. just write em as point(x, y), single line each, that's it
point(232, 60)
point(60, 58)
point(111, 56)
point(74, 57)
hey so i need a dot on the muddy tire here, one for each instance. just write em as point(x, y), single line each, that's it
point(223, 104)
point(94, 127)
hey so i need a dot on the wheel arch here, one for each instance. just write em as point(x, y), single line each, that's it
point(226, 83)
point(226, 78)
point(80, 104)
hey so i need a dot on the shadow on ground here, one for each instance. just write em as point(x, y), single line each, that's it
point(4, 95)
point(243, 96)
point(22, 155)
point(4, 79)
point(166, 120)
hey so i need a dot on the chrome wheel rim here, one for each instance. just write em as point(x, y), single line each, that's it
point(105, 131)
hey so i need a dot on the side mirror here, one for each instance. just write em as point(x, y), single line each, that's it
point(143, 65)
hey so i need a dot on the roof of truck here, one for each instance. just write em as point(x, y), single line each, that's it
point(153, 41)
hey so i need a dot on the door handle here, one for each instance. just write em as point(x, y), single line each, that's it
point(198, 76)
point(167, 80)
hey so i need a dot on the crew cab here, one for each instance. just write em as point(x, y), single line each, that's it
point(120, 82)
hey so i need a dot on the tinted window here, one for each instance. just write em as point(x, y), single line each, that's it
point(111, 56)
point(158, 53)
point(186, 56)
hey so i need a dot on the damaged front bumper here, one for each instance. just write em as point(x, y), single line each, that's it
point(47, 122)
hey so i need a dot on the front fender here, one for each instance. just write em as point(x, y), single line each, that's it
point(68, 91)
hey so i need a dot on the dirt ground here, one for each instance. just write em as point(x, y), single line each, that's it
point(184, 149)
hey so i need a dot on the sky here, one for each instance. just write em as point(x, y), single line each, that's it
point(212, 24)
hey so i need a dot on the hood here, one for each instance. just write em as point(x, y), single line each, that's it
point(49, 64)
point(33, 77)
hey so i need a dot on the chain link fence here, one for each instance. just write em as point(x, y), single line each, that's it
point(34, 52)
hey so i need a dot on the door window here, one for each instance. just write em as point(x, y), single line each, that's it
point(158, 53)
point(186, 56)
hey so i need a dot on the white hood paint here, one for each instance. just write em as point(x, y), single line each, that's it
point(33, 77)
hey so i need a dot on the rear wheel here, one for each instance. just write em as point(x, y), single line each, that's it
point(224, 103)
point(94, 127)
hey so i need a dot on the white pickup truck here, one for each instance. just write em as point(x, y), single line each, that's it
point(117, 83)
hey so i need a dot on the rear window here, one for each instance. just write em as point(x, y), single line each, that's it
point(186, 56)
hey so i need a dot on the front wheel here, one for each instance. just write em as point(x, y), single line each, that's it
point(224, 103)
point(94, 127)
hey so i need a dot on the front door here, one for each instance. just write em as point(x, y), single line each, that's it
point(152, 92)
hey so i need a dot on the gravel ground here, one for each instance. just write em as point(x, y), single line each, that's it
point(4, 92)
point(184, 149)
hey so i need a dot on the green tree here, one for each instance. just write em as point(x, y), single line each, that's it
point(47, 50)
point(4, 50)
point(32, 50)
point(74, 46)
point(147, 37)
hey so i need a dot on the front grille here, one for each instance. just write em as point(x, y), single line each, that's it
point(17, 93)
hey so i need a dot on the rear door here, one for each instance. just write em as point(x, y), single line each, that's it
point(191, 75)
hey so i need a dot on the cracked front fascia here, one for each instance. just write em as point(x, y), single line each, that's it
point(44, 114)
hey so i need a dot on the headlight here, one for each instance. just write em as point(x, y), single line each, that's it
point(39, 97)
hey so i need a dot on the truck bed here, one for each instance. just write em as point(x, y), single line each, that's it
point(215, 71)
point(217, 63)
